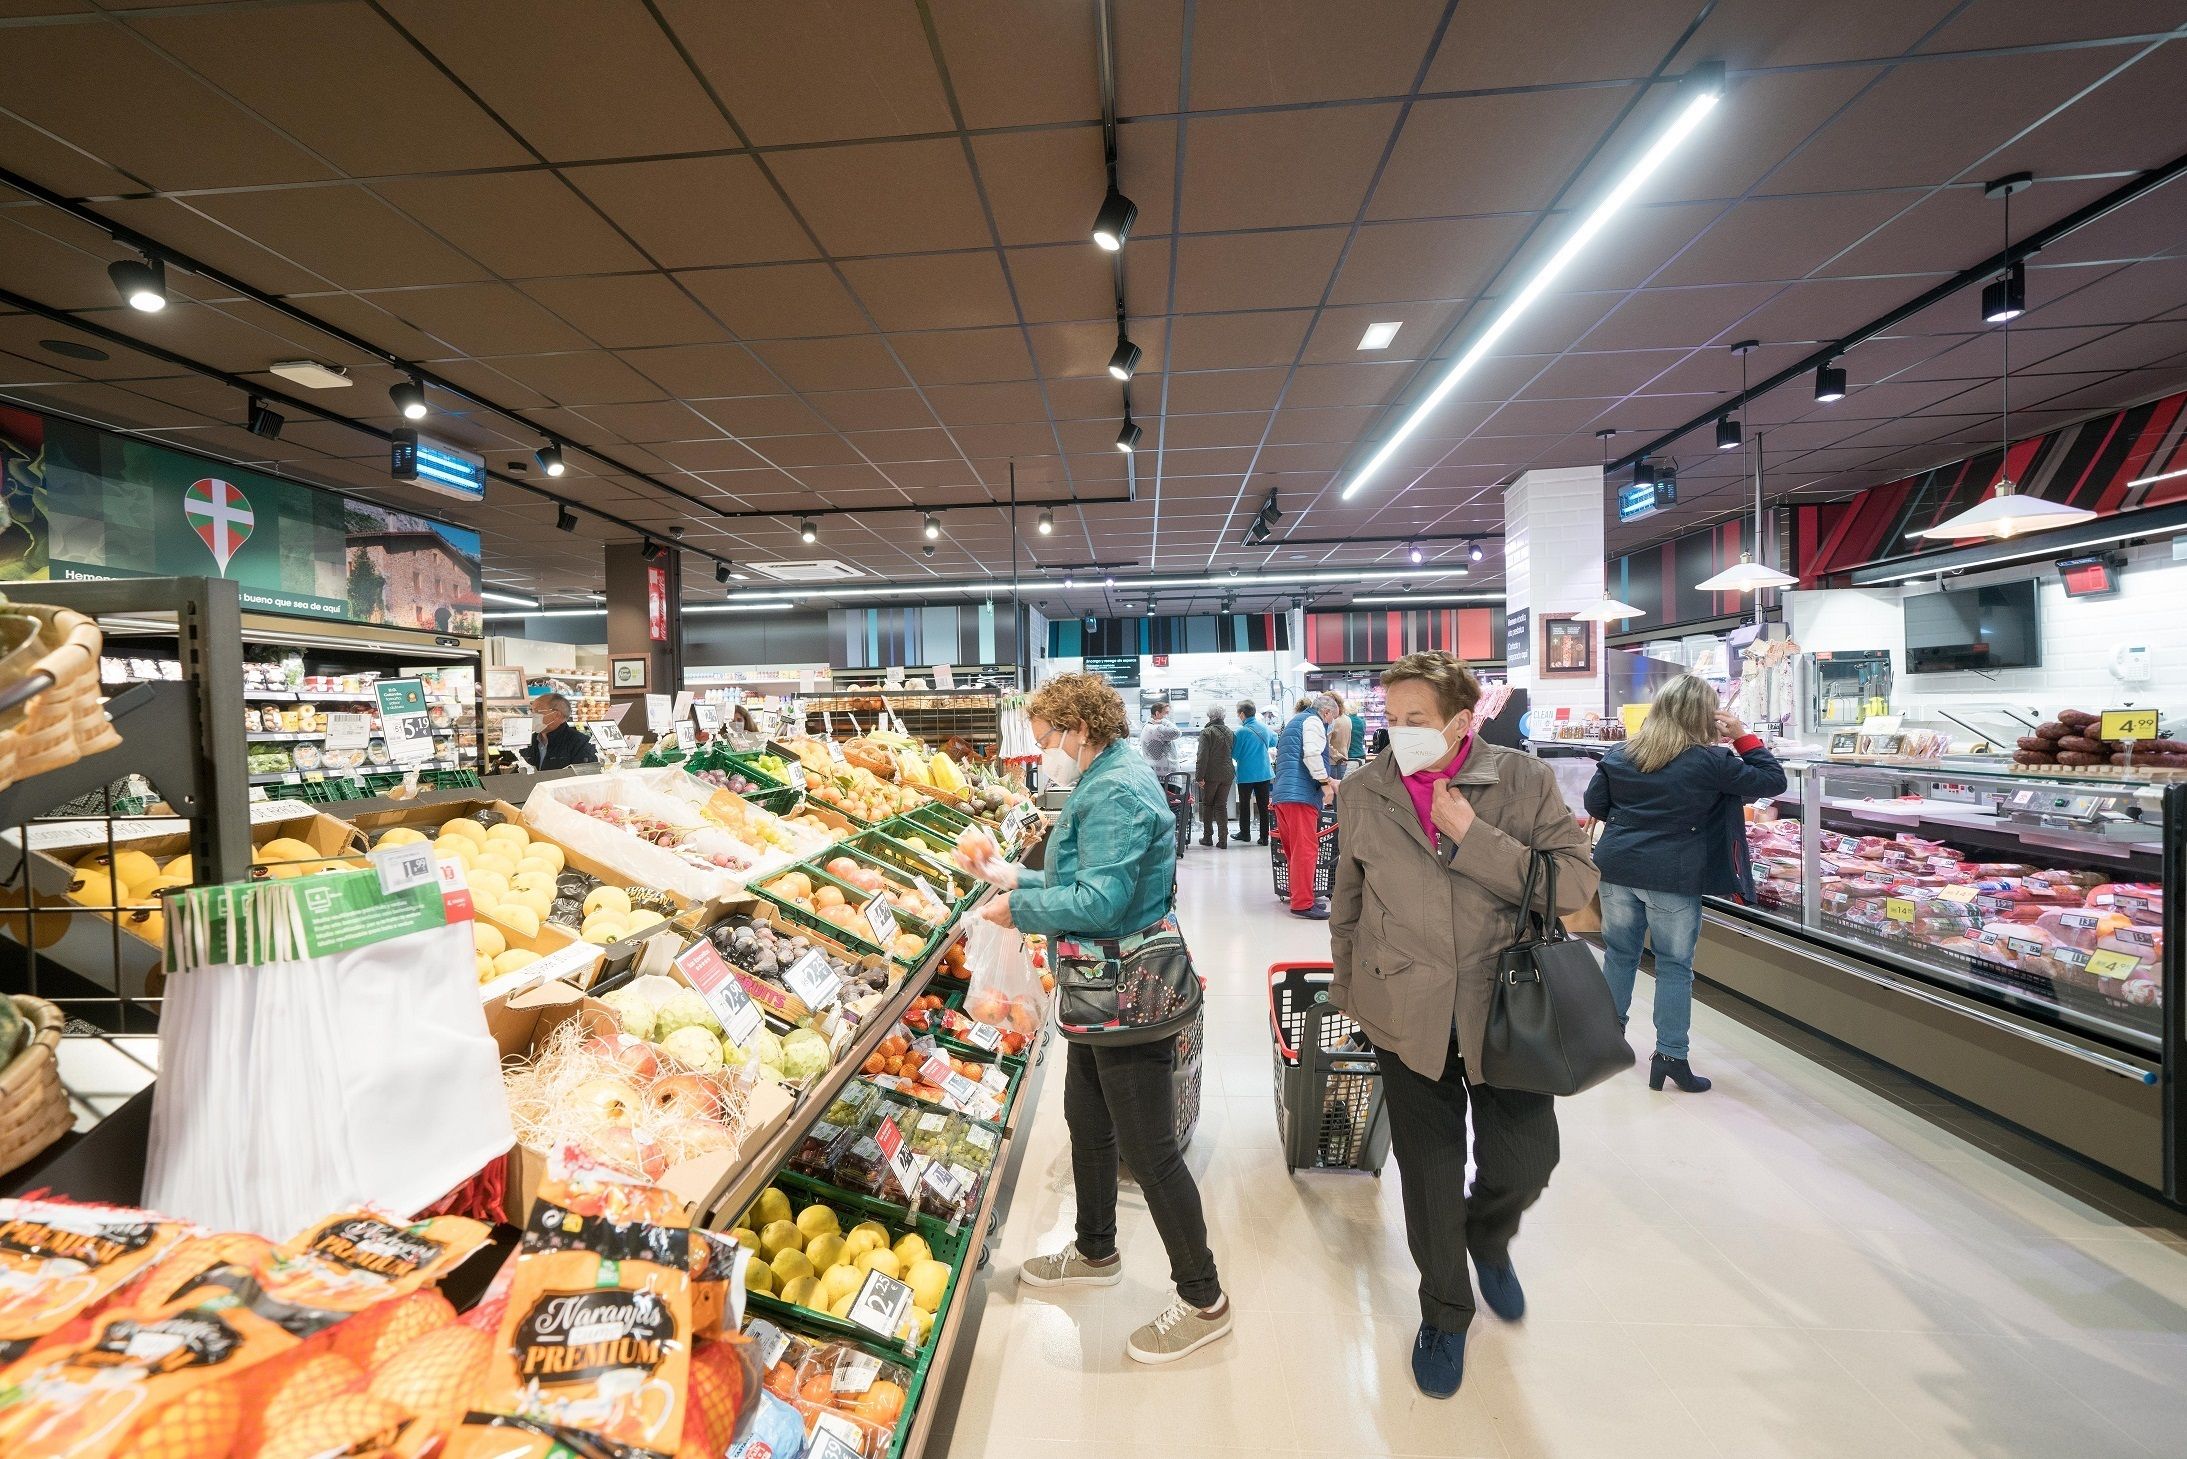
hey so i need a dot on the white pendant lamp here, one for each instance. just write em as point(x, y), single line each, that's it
point(2005, 513)
point(1748, 576)
point(1609, 610)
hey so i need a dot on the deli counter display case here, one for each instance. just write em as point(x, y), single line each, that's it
point(2007, 938)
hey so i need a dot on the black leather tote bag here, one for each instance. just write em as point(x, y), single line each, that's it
point(1552, 1025)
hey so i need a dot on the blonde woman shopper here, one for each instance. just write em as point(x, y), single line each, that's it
point(1435, 836)
point(1111, 863)
point(1670, 801)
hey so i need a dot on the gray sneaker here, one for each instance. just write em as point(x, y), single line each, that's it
point(1180, 1329)
point(1066, 1268)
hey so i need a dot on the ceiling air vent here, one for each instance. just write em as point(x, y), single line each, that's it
point(818, 570)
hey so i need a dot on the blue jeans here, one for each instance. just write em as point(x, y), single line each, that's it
point(1671, 923)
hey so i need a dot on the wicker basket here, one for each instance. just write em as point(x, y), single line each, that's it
point(60, 725)
point(34, 1108)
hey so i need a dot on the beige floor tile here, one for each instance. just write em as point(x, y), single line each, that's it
point(1771, 1392)
point(1353, 1381)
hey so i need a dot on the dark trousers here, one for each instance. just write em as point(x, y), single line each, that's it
point(1250, 796)
point(1215, 812)
point(1122, 1101)
point(1514, 1149)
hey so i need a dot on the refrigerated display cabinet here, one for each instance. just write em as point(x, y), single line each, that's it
point(2010, 939)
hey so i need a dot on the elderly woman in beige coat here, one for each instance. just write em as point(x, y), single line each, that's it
point(1435, 834)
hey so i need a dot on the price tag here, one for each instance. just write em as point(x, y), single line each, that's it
point(926, 890)
point(894, 677)
point(2108, 964)
point(835, 752)
point(937, 1069)
point(516, 731)
point(687, 738)
point(950, 1182)
point(1021, 815)
point(702, 966)
point(881, 918)
point(656, 714)
point(960, 1091)
point(880, 1305)
point(984, 1036)
point(1898, 909)
point(827, 1443)
point(404, 867)
point(794, 771)
point(405, 722)
point(855, 1371)
point(708, 716)
point(985, 1139)
point(347, 731)
point(945, 676)
point(902, 1159)
point(606, 737)
point(769, 1341)
point(682, 707)
point(2129, 724)
point(813, 981)
point(1960, 894)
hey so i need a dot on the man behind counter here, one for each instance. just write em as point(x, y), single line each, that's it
point(557, 743)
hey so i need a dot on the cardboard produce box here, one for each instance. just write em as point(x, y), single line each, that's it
point(522, 1021)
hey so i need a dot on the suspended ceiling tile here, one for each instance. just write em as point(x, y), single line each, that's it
point(344, 235)
point(1282, 169)
point(940, 291)
point(1444, 259)
point(55, 165)
point(1256, 270)
point(854, 363)
point(873, 410)
point(793, 71)
point(1045, 186)
point(986, 404)
point(1688, 318)
point(887, 448)
point(1224, 341)
point(579, 378)
point(628, 311)
point(1101, 398)
point(1016, 63)
point(1071, 283)
point(1759, 33)
point(482, 319)
point(885, 197)
point(1597, 40)
point(1491, 154)
point(757, 416)
point(1248, 53)
point(695, 212)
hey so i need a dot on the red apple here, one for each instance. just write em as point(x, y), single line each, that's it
point(635, 1055)
point(620, 1147)
point(606, 1101)
point(686, 1096)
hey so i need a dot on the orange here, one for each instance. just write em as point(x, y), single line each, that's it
point(378, 1333)
point(353, 1423)
point(317, 1379)
point(199, 1425)
point(432, 1377)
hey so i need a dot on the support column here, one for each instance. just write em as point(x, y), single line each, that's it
point(644, 619)
point(1553, 567)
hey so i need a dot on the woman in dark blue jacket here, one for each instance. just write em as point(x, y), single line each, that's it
point(1671, 802)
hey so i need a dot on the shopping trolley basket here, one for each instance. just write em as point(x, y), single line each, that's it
point(1325, 859)
point(1329, 1112)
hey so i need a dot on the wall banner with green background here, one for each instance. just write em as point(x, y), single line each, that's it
point(79, 502)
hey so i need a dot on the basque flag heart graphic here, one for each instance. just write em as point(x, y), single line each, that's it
point(221, 516)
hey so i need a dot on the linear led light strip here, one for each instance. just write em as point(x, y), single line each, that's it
point(1708, 84)
point(2160, 476)
point(2007, 559)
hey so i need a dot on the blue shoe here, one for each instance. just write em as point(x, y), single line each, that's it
point(1438, 1361)
point(1500, 1290)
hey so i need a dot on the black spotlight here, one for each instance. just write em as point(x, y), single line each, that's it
point(1112, 225)
point(1727, 434)
point(1829, 383)
point(1127, 439)
point(550, 459)
point(409, 397)
point(806, 531)
point(1047, 524)
point(262, 420)
point(721, 573)
point(1126, 358)
point(142, 282)
point(1270, 513)
point(654, 551)
point(1643, 472)
point(565, 520)
point(2006, 297)
point(1474, 552)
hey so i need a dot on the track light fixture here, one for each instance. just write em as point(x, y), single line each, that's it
point(933, 526)
point(1474, 552)
point(1727, 434)
point(653, 551)
point(550, 459)
point(1270, 513)
point(1127, 439)
point(721, 573)
point(1829, 383)
point(1415, 553)
point(2005, 297)
point(141, 282)
point(1643, 471)
point(408, 397)
point(1046, 526)
point(1112, 225)
point(262, 420)
point(1126, 359)
point(565, 520)
point(806, 531)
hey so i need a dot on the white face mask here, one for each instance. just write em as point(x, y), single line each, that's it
point(1058, 766)
point(1417, 746)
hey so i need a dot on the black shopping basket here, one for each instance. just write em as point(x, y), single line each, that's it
point(1329, 1111)
point(1325, 859)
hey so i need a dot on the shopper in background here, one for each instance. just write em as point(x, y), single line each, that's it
point(1358, 740)
point(1214, 772)
point(1110, 872)
point(1158, 741)
point(1340, 739)
point(1435, 838)
point(1249, 753)
point(558, 744)
point(1303, 786)
point(1674, 830)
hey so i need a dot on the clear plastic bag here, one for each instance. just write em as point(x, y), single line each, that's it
point(1005, 989)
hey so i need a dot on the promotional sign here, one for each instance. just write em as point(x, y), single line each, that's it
point(1121, 670)
point(84, 504)
point(656, 603)
point(1518, 631)
point(2129, 724)
point(703, 968)
point(405, 722)
point(656, 714)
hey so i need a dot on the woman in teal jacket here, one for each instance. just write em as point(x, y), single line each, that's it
point(1111, 864)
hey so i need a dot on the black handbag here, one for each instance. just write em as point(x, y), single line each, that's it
point(1126, 990)
point(1552, 1025)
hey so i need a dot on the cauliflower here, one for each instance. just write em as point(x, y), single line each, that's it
point(694, 1048)
point(804, 1054)
point(654, 989)
point(631, 1011)
point(767, 1049)
point(687, 1009)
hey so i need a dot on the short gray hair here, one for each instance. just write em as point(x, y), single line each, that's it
point(555, 701)
point(1326, 704)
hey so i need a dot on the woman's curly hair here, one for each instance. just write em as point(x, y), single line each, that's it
point(1083, 702)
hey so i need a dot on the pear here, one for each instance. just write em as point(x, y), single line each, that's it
point(881, 1260)
point(777, 1237)
point(803, 1292)
point(819, 1220)
point(758, 1276)
point(841, 1307)
point(837, 1282)
point(487, 940)
point(912, 1250)
point(771, 1206)
point(790, 1264)
point(825, 1251)
point(928, 1280)
point(874, 1229)
point(399, 836)
point(745, 1237)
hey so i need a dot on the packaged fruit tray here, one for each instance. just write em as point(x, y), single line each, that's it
point(748, 764)
point(940, 818)
point(891, 851)
point(869, 871)
point(779, 1221)
point(900, 1064)
point(1013, 1055)
point(812, 905)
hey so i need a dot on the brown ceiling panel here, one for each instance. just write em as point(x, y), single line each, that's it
point(580, 378)
point(482, 319)
point(1768, 238)
point(1195, 432)
point(65, 275)
point(965, 405)
point(1070, 283)
point(1763, 120)
point(693, 212)
point(1954, 228)
point(1760, 33)
point(344, 235)
point(1337, 333)
point(53, 164)
point(794, 453)
point(890, 447)
point(178, 223)
point(1017, 63)
point(1361, 384)
point(873, 410)
point(715, 455)
point(340, 81)
point(1078, 350)
point(655, 420)
point(832, 364)
point(1282, 169)
point(2106, 296)
point(1224, 390)
point(964, 357)
point(1492, 154)
point(2031, 22)
point(1598, 40)
point(704, 371)
point(519, 224)
point(1233, 341)
point(885, 197)
point(779, 301)
point(1447, 259)
point(630, 311)
point(759, 416)
point(1256, 270)
point(919, 476)
point(598, 56)
point(1097, 397)
point(1684, 318)
point(793, 71)
point(940, 291)
point(1249, 53)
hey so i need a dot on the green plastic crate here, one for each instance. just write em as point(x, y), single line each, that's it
point(854, 938)
point(878, 845)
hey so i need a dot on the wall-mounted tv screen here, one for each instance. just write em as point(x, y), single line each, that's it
point(1972, 628)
